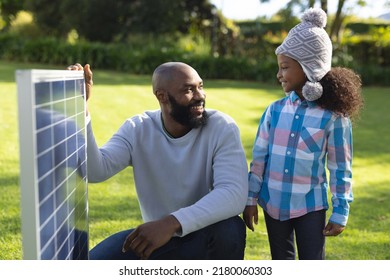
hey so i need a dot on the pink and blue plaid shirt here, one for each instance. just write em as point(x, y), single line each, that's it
point(295, 143)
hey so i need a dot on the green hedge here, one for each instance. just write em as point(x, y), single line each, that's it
point(364, 27)
point(261, 66)
point(121, 57)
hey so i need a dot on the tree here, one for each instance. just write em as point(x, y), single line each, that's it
point(338, 19)
point(105, 21)
point(9, 9)
point(51, 16)
point(161, 16)
point(336, 25)
point(340, 16)
point(324, 5)
point(100, 20)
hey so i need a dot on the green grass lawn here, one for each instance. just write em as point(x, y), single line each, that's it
point(113, 204)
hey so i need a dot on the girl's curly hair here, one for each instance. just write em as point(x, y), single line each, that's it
point(342, 92)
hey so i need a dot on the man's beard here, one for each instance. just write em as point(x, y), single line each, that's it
point(182, 114)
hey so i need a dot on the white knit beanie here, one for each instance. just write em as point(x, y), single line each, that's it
point(310, 45)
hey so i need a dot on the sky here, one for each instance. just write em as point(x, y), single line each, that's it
point(251, 9)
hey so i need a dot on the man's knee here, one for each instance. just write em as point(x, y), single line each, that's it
point(228, 239)
point(222, 240)
point(233, 227)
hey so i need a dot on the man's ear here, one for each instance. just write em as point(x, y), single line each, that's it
point(162, 96)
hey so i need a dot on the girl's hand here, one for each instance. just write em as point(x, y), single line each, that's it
point(332, 229)
point(250, 216)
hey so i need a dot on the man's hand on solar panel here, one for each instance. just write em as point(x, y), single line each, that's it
point(88, 79)
point(87, 76)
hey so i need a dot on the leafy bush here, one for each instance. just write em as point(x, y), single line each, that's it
point(365, 56)
point(364, 27)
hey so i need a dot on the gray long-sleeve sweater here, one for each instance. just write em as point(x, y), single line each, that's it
point(200, 178)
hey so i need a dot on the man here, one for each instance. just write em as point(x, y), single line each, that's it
point(190, 173)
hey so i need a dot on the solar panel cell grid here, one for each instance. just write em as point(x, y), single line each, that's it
point(52, 114)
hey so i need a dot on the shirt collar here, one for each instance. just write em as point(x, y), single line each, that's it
point(294, 97)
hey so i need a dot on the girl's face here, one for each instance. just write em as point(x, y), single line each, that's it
point(290, 74)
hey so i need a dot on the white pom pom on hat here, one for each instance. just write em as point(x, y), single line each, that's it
point(316, 17)
point(310, 45)
point(312, 91)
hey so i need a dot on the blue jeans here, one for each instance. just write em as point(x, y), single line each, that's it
point(308, 232)
point(224, 240)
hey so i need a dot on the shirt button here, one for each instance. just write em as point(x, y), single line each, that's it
point(286, 171)
point(288, 152)
point(296, 117)
point(292, 134)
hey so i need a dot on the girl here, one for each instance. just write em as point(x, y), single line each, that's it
point(298, 137)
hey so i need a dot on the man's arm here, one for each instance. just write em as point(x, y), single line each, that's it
point(110, 159)
point(230, 182)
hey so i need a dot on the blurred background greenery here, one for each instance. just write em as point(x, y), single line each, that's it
point(236, 60)
point(137, 35)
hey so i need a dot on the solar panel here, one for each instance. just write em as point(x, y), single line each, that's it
point(53, 180)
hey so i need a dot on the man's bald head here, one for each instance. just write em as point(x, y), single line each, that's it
point(167, 72)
